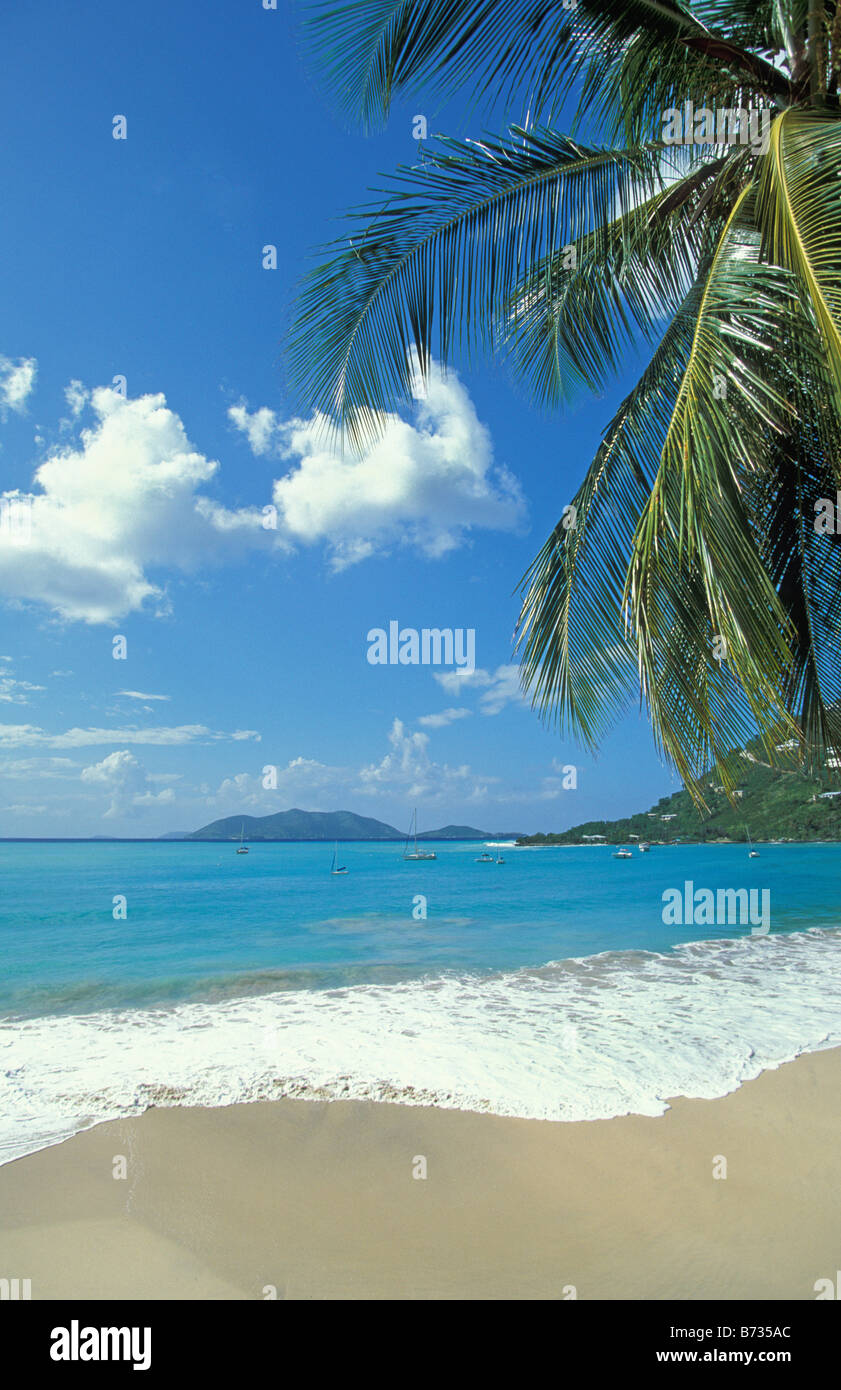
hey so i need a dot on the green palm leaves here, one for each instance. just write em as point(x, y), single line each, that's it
point(450, 256)
point(693, 572)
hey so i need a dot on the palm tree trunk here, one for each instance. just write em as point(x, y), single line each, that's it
point(817, 53)
point(835, 51)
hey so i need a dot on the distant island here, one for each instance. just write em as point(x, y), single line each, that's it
point(325, 825)
point(771, 803)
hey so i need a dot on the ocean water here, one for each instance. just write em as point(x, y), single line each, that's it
point(548, 986)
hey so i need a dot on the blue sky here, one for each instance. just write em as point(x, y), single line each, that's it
point(142, 258)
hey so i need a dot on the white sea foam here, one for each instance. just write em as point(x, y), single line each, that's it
point(580, 1039)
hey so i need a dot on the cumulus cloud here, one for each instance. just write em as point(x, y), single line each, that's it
point(16, 382)
point(424, 484)
point(123, 503)
point(301, 779)
point(107, 516)
point(406, 770)
point(126, 783)
point(260, 427)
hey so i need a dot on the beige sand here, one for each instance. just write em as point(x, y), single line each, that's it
point(319, 1201)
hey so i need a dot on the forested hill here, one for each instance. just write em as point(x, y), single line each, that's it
point(771, 804)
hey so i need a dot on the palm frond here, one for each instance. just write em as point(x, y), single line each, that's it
point(436, 265)
point(570, 321)
point(696, 573)
point(578, 661)
point(799, 213)
point(493, 49)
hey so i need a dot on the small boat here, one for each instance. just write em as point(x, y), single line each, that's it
point(623, 854)
point(336, 867)
point(752, 853)
point(242, 849)
point(499, 859)
point(485, 859)
point(413, 834)
point(644, 847)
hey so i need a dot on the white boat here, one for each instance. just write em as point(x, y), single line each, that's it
point(644, 847)
point(243, 849)
point(484, 859)
point(499, 859)
point(336, 867)
point(752, 853)
point(413, 835)
point(623, 854)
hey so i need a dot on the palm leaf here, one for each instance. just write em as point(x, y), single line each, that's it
point(697, 573)
point(493, 49)
point(438, 263)
point(799, 212)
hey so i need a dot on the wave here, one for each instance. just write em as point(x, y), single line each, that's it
point(585, 1038)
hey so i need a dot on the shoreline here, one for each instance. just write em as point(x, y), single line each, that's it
point(317, 1200)
point(532, 1043)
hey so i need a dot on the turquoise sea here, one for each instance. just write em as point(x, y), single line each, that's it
point(548, 985)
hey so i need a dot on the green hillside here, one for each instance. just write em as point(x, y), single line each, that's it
point(771, 803)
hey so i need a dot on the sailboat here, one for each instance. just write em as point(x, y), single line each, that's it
point(413, 834)
point(336, 867)
point(752, 853)
point(243, 849)
point(623, 854)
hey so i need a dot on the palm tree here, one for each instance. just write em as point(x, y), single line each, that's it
point(690, 569)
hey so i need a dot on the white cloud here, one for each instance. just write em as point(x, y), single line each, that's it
point(139, 695)
point(499, 688)
point(125, 502)
point(16, 382)
point(16, 692)
point(424, 484)
point(406, 770)
point(77, 396)
point(446, 716)
point(455, 680)
point(126, 784)
point(30, 736)
point(409, 770)
point(504, 690)
point(106, 515)
point(260, 426)
point(32, 769)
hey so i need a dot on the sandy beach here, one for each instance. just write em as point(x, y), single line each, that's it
point(318, 1200)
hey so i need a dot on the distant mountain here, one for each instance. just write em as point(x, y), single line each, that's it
point(299, 825)
point(175, 835)
point(466, 832)
point(771, 803)
point(320, 825)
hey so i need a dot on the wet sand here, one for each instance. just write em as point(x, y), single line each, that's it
point(316, 1200)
